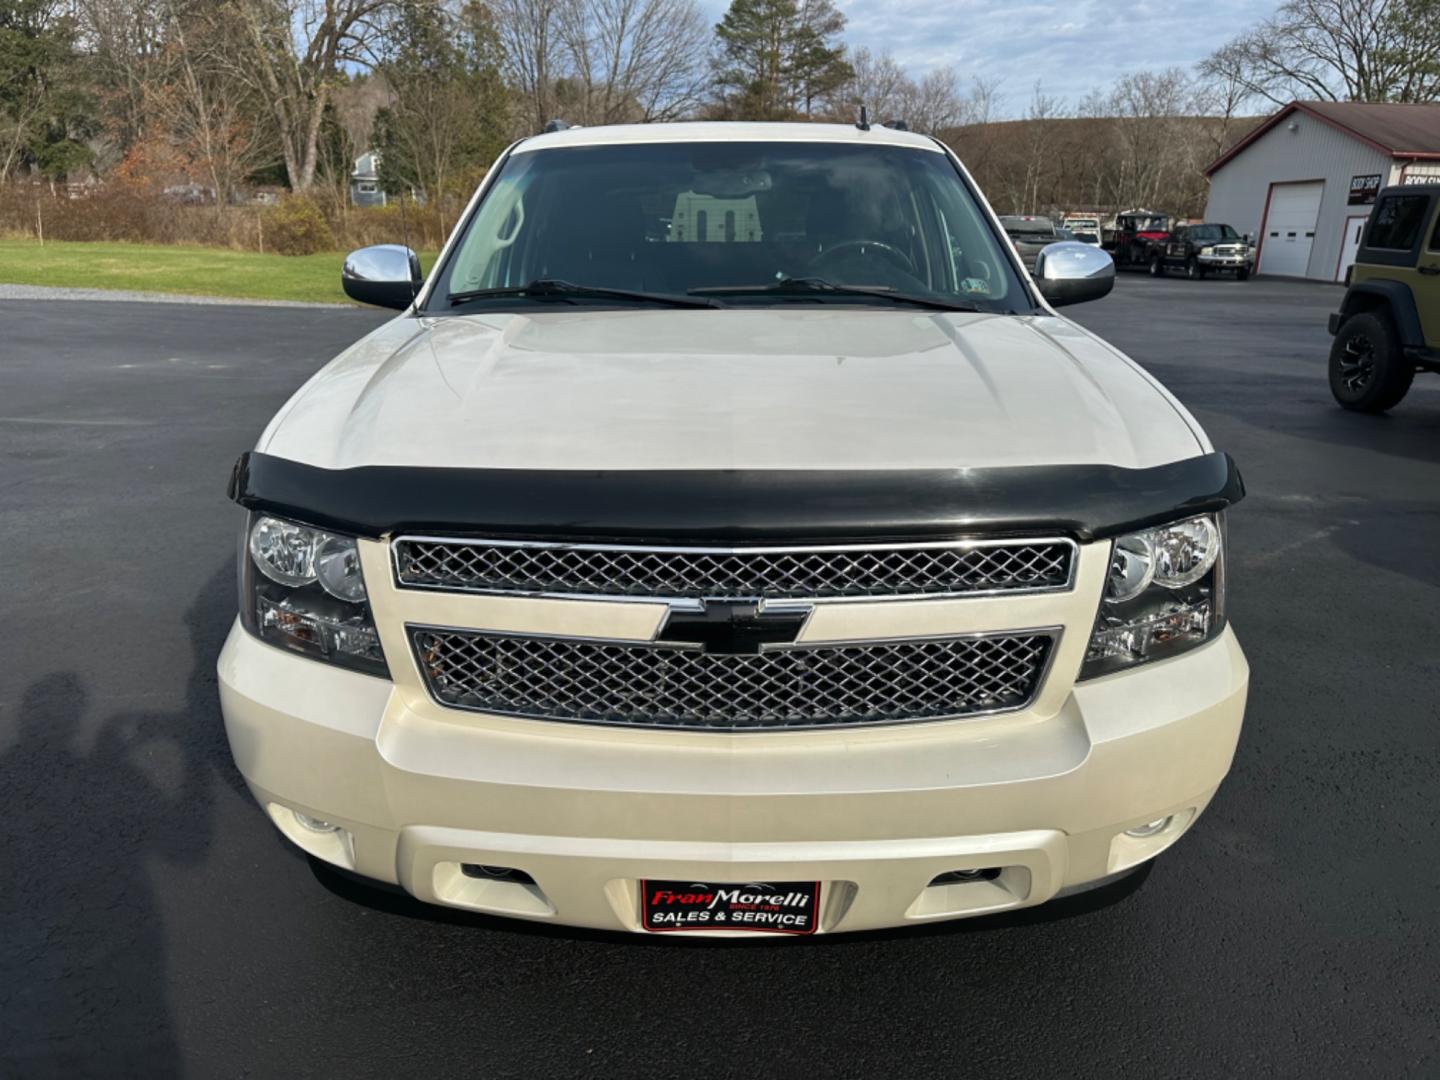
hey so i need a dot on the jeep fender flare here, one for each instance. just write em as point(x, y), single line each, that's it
point(1394, 296)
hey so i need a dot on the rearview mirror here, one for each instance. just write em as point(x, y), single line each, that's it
point(386, 275)
point(1071, 273)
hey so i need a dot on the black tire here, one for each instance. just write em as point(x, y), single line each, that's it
point(1242, 275)
point(1368, 369)
point(1194, 271)
point(1157, 266)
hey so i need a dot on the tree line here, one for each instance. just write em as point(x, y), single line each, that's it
point(227, 94)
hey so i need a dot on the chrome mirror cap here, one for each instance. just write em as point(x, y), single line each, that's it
point(386, 275)
point(1073, 273)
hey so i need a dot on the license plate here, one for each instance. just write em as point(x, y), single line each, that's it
point(771, 907)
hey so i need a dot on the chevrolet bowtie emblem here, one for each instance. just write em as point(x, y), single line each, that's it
point(733, 627)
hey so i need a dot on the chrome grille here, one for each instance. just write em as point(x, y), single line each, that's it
point(793, 686)
point(928, 569)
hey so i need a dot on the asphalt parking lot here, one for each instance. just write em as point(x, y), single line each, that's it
point(153, 923)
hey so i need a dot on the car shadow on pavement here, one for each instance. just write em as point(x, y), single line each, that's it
point(392, 900)
point(82, 938)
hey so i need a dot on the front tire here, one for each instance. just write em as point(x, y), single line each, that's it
point(1368, 369)
point(1157, 266)
point(1242, 275)
point(1194, 271)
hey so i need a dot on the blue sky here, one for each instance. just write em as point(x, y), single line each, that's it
point(1070, 46)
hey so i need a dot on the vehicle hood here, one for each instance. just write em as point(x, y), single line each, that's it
point(804, 388)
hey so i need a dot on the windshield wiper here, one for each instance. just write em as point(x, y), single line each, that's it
point(567, 290)
point(811, 286)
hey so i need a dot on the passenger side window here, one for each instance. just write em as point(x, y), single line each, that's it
point(1397, 222)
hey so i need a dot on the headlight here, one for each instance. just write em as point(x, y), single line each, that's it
point(309, 595)
point(1164, 593)
point(1207, 251)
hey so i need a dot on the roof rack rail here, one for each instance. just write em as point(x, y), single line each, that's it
point(896, 125)
point(555, 125)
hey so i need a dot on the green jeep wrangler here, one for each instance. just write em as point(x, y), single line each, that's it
point(1388, 326)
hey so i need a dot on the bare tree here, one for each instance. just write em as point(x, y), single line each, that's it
point(933, 104)
point(1221, 93)
point(633, 60)
point(878, 83)
point(126, 44)
point(1039, 114)
point(530, 33)
point(216, 123)
point(291, 52)
point(1357, 50)
point(1146, 106)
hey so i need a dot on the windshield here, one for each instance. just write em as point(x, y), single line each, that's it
point(1213, 233)
point(743, 222)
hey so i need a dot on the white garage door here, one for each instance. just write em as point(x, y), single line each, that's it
point(1290, 228)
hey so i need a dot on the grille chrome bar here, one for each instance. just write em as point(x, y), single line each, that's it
point(841, 571)
point(834, 684)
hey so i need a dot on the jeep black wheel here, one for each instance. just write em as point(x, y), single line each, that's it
point(1193, 270)
point(1368, 369)
point(1157, 266)
point(1242, 275)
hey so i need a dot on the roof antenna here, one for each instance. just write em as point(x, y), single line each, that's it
point(864, 122)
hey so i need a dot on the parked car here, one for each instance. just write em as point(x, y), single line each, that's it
point(1029, 234)
point(1085, 229)
point(811, 577)
point(1202, 249)
point(1388, 325)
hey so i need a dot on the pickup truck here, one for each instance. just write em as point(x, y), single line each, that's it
point(1030, 235)
point(798, 571)
point(1199, 250)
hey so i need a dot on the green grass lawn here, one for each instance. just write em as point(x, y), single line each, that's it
point(195, 271)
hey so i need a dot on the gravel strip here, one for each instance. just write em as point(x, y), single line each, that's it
point(45, 292)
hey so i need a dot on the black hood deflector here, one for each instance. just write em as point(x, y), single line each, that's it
point(748, 505)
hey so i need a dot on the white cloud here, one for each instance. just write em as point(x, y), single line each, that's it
point(1069, 47)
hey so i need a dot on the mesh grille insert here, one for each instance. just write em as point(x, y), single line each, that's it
point(726, 573)
point(783, 687)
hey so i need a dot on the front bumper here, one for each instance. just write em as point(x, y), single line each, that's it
point(1223, 262)
point(1043, 796)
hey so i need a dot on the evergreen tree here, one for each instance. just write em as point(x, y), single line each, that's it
point(448, 115)
point(776, 58)
point(45, 111)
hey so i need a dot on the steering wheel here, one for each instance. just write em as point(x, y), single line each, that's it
point(890, 251)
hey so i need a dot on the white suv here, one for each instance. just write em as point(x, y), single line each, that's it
point(729, 538)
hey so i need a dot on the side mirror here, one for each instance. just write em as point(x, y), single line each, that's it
point(386, 275)
point(1071, 273)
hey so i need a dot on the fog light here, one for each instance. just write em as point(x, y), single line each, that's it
point(315, 824)
point(1150, 828)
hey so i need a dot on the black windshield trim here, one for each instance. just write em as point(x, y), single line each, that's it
point(1087, 502)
